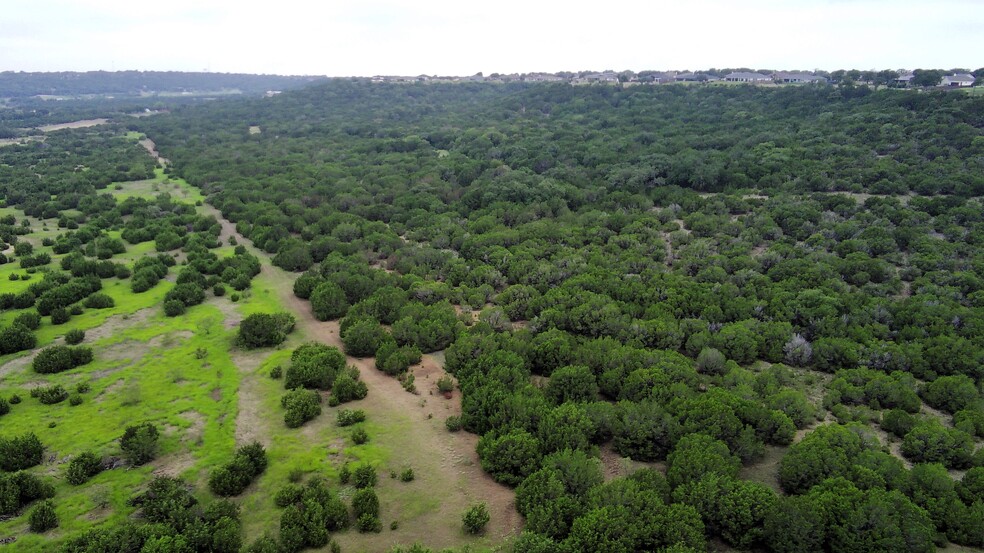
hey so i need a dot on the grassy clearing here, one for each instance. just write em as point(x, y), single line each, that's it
point(175, 372)
point(178, 188)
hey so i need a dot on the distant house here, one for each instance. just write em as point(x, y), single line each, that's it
point(694, 78)
point(904, 80)
point(542, 78)
point(958, 80)
point(791, 78)
point(746, 77)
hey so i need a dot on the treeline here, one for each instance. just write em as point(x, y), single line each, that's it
point(72, 83)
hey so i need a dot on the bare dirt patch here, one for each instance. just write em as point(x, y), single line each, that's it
point(74, 125)
point(114, 324)
point(196, 429)
point(173, 465)
point(614, 465)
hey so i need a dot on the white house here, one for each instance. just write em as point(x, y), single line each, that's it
point(958, 80)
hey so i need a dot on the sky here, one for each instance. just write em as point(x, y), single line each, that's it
point(462, 37)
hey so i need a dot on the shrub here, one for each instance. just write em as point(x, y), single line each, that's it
point(50, 395)
point(288, 495)
point(99, 301)
point(59, 316)
point(328, 301)
point(174, 308)
point(4, 406)
point(264, 329)
point(30, 319)
point(348, 417)
point(235, 476)
point(453, 423)
point(56, 359)
point(75, 400)
point(82, 387)
point(364, 476)
point(43, 517)
point(314, 365)
point(139, 443)
point(363, 338)
point(710, 361)
point(276, 372)
point(445, 384)
point(74, 336)
point(407, 475)
point(367, 523)
point(15, 399)
point(344, 474)
point(365, 502)
point(16, 337)
point(219, 290)
point(475, 518)
point(301, 405)
point(19, 489)
point(347, 388)
point(82, 467)
point(20, 452)
point(360, 436)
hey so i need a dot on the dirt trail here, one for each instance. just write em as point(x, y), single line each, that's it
point(433, 452)
point(74, 125)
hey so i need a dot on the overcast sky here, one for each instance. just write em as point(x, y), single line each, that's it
point(462, 37)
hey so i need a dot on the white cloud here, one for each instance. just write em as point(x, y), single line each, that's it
point(461, 37)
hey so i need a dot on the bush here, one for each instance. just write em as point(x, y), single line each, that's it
point(453, 423)
point(50, 395)
point(99, 301)
point(347, 388)
point(15, 399)
point(19, 489)
point(59, 316)
point(367, 523)
point(445, 384)
point(711, 361)
point(20, 452)
point(363, 338)
point(328, 301)
point(314, 365)
point(301, 405)
point(475, 518)
point(276, 372)
point(75, 400)
point(82, 467)
point(30, 319)
point(56, 359)
point(219, 290)
point(407, 475)
point(16, 337)
point(360, 436)
point(74, 336)
point(344, 474)
point(265, 330)
point(4, 406)
point(348, 417)
point(174, 308)
point(235, 476)
point(364, 476)
point(365, 502)
point(139, 443)
point(43, 517)
point(288, 495)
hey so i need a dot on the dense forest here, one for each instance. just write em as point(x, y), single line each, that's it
point(687, 274)
point(695, 278)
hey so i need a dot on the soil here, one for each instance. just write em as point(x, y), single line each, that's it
point(434, 453)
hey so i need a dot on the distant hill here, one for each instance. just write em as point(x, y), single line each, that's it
point(136, 83)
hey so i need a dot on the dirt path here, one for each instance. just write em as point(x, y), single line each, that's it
point(421, 441)
point(74, 125)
